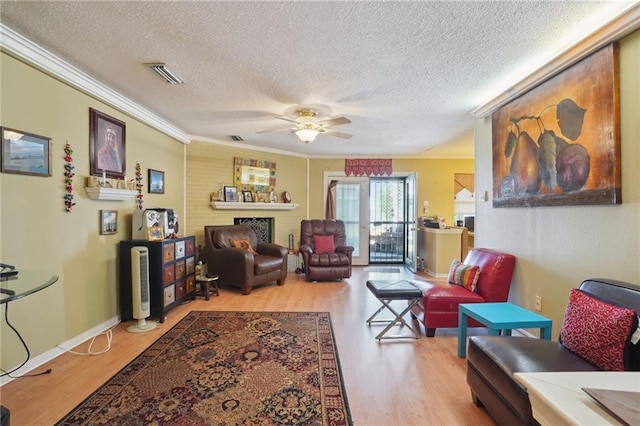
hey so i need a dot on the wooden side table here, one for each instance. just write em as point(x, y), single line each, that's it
point(205, 285)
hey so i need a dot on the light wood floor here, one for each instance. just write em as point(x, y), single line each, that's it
point(398, 382)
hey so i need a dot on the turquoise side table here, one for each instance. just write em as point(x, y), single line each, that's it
point(496, 317)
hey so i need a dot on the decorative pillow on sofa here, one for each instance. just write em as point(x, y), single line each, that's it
point(242, 244)
point(323, 244)
point(597, 331)
point(464, 275)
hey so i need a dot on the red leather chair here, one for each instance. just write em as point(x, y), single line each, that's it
point(335, 265)
point(439, 305)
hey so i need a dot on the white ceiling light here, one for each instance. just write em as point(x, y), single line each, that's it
point(307, 134)
point(162, 71)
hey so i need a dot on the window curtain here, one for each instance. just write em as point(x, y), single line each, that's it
point(368, 167)
point(330, 212)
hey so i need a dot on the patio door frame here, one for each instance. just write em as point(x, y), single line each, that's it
point(363, 258)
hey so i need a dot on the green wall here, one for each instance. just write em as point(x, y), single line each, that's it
point(37, 233)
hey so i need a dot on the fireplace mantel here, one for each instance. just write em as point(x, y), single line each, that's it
point(225, 205)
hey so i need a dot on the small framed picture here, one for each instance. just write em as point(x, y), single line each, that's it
point(155, 233)
point(286, 197)
point(247, 196)
point(108, 222)
point(156, 182)
point(25, 153)
point(231, 194)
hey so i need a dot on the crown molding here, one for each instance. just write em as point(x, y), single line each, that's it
point(31, 53)
point(622, 25)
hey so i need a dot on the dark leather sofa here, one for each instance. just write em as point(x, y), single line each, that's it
point(240, 268)
point(492, 360)
point(325, 266)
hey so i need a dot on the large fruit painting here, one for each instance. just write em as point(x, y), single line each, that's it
point(559, 144)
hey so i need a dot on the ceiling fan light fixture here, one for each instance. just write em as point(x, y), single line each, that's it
point(307, 134)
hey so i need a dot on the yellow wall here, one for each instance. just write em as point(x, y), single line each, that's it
point(559, 247)
point(435, 182)
point(36, 232)
point(210, 166)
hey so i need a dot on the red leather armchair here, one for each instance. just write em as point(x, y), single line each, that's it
point(439, 305)
point(325, 266)
point(240, 268)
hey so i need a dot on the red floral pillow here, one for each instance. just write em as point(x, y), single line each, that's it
point(596, 330)
point(324, 244)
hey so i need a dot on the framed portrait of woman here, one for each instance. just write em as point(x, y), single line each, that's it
point(107, 137)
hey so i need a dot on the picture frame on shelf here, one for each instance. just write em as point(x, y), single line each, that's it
point(231, 194)
point(156, 181)
point(108, 222)
point(247, 196)
point(25, 153)
point(155, 233)
point(286, 197)
point(107, 138)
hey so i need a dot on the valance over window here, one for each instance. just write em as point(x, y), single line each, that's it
point(368, 167)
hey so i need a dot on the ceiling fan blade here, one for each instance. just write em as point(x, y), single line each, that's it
point(335, 121)
point(335, 133)
point(286, 119)
point(275, 130)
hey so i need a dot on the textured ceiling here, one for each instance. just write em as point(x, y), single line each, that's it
point(407, 74)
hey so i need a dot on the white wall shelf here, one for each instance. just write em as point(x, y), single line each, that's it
point(224, 205)
point(109, 194)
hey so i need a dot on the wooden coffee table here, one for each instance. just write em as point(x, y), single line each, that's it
point(499, 316)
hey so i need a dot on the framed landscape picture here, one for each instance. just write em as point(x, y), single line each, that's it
point(108, 222)
point(156, 182)
point(25, 153)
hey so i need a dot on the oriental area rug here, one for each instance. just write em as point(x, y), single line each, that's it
point(228, 368)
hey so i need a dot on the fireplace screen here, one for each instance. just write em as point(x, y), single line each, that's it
point(263, 227)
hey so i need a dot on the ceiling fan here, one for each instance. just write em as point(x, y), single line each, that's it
point(307, 126)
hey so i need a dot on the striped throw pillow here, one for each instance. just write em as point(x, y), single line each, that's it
point(464, 275)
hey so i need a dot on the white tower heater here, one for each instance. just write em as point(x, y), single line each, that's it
point(140, 290)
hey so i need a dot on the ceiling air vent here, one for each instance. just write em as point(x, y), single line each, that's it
point(162, 71)
point(236, 138)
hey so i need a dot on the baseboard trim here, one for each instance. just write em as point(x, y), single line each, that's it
point(522, 332)
point(53, 353)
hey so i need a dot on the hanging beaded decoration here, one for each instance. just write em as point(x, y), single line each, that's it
point(68, 178)
point(139, 200)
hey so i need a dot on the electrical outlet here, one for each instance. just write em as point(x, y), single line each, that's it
point(538, 305)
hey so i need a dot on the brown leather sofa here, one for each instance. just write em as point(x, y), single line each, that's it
point(325, 266)
point(492, 360)
point(438, 307)
point(238, 267)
